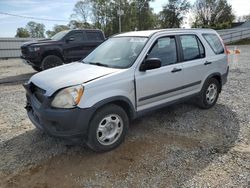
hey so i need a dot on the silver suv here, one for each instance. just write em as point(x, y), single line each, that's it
point(125, 77)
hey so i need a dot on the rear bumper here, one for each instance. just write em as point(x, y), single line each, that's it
point(224, 77)
point(64, 123)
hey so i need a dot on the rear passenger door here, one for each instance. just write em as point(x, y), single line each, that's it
point(92, 40)
point(192, 63)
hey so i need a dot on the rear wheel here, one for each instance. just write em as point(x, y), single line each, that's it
point(37, 68)
point(51, 61)
point(108, 128)
point(209, 93)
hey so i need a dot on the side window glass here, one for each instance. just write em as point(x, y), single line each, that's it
point(75, 37)
point(202, 49)
point(214, 42)
point(190, 47)
point(93, 36)
point(165, 50)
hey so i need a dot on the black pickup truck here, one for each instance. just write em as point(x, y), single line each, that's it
point(64, 47)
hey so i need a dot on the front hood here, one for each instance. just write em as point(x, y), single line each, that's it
point(40, 42)
point(68, 75)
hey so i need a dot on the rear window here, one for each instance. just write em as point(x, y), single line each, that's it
point(214, 42)
point(191, 47)
point(94, 36)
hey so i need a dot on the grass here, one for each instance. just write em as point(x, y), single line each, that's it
point(241, 42)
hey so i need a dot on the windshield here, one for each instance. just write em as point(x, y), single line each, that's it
point(117, 52)
point(59, 35)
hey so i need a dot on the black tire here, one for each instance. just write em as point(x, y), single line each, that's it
point(93, 141)
point(37, 68)
point(204, 101)
point(51, 61)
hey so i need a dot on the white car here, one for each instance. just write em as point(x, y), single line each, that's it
point(125, 77)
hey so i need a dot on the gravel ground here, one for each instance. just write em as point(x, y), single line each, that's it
point(178, 146)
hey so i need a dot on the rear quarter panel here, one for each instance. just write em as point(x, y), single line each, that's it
point(219, 61)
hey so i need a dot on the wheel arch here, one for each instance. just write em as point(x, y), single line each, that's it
point(121, 101)
point(53, 52)
point(217, 76)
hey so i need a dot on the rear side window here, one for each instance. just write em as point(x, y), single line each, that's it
point(164, 49)
point(93, 36)
point(214, 42)
point(191, 47)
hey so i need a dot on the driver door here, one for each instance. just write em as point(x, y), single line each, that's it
point(74, 46)
point(156, 86)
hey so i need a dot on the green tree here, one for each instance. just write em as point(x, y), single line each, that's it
point(215, 14)
point(82, 10)
point(103, 14)
point(74, 24)
point(56, 29)
point(173, 13)
point(145, 14)
point(99, 12)
point(36, 30)
point(22, 33)
point(246, 17)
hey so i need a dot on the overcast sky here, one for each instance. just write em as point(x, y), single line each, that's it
point(62, 9)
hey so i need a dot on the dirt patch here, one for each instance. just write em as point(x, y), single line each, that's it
point(178, 146)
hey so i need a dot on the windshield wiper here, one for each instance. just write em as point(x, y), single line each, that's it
point(98, 64)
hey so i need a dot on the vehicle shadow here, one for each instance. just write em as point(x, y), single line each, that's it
point(18, 79)
point(165, 148)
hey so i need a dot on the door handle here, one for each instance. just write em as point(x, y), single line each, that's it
point(176, 70)
point(207, 63)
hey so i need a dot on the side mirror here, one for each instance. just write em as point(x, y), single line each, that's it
point(70, 39)
point(151, 63)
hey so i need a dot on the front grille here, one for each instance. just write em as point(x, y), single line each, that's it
point(37, 92)
point(24, 50)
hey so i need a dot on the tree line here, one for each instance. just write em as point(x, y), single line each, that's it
point(137, 15)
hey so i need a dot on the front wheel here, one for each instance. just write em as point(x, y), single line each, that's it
point(51, 61)
point(37, 68)
point(209, 93)
point(108, 128)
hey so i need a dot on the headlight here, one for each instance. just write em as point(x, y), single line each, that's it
point(34, 49)
point(68, 97)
